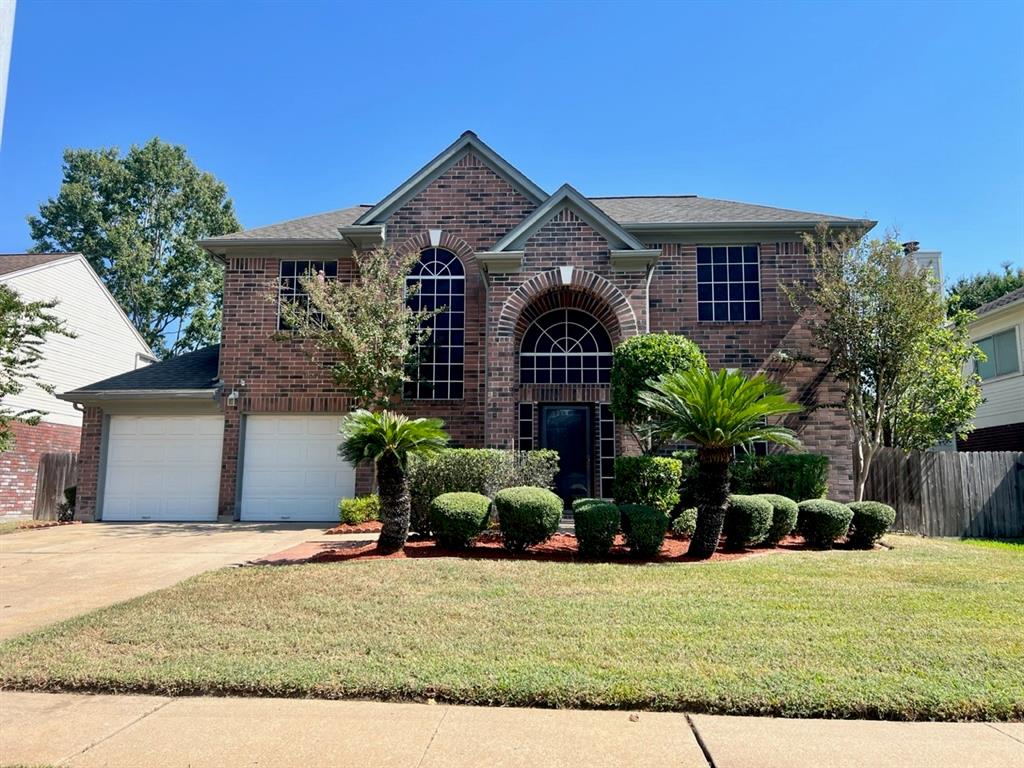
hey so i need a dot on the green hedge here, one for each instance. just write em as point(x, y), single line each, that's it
point(821, 521)
point(527, 516)
point(871, 519)
point(649, 480)
point(476, 470)
point(747, 521)
point(596, 521)
point(797, 476)
point(784, 514)
point(359, 510)
point(646, 528)
point(686, 522)
point(458, 518)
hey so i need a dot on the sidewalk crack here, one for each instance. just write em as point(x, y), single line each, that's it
point(997, 729)
point(432, 737)
point(112, 734)
point(700, 742)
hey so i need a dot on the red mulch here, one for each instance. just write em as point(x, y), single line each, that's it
point(559, 548)
point(38, 525)
point(370, 526)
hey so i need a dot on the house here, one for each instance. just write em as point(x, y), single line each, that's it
point(105, 343)
point(999, 331)
point(538, 288)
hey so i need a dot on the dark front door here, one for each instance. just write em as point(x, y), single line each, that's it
point(566, 429)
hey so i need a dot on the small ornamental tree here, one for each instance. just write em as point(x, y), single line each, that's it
point(23, 329)
point(362, 330)
point(638, 360)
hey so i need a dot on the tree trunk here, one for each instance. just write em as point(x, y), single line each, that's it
point(712, 495)
point(393, 489)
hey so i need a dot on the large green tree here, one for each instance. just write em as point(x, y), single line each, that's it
point(24, 326)
point(136, 217)
point(969, 293)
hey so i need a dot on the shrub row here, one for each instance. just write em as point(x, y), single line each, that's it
point(797, 476)
point(821, 522)
point(359, 510)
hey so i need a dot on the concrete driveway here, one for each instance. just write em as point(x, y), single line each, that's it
point(51, 574)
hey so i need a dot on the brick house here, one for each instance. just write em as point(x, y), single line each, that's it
point(538, 288)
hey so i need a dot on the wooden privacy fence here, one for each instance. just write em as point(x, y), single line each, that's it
point(946, 493)
point(56, 472)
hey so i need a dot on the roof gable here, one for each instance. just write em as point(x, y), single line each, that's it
point(466, 143)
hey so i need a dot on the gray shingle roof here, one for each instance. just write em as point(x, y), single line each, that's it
point(1002, 301)
point(321, 226)
point(690, 209)
point(193, 370)
point(15, 262)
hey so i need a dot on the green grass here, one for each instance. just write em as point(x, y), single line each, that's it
point(1014, 545)
point(931, 629)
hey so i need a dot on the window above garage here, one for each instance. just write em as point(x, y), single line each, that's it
point(290, 289)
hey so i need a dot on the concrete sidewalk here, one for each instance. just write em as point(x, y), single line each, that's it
point(83, 730)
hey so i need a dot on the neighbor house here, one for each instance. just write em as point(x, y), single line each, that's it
point(537, 287)
point(999, 331)
point(105, 343)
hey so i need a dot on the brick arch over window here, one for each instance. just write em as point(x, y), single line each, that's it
point(585, 290)
point(449, 242)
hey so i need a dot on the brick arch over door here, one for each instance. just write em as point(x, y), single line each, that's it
point(585, 290)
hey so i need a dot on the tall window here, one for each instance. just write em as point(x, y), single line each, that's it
point(566, 346)
point(289, 286)
point(437, 373)
point(1000, 353)
point(728, 283)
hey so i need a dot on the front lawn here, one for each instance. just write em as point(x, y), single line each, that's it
point(931, 629)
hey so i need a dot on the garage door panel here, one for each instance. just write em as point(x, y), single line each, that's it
point(291, 468)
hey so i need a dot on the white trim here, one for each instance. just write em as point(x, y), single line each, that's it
point(435, 237)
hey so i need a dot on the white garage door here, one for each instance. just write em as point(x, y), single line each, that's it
point(291, 469)
point(163, 468)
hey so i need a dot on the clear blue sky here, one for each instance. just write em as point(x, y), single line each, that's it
point(911, 114)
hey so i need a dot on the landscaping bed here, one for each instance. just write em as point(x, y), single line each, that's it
point(12, 526)
point(931, 629)
point(370, 526)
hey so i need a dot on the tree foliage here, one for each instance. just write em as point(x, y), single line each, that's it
point(881, 319)
point(24, 327)
point(136, 217)
point(969, 293)
point(362, 329)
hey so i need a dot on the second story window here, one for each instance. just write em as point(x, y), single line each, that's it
point(289, 287)
point(437, 373)
point(1001, 355)
point(728, 283)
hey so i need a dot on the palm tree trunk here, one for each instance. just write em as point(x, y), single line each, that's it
point(712, 495)
point(393, 489)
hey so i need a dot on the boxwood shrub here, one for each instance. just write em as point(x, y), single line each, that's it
point(821, 521)
point(686, 522)
point(527, 516)
point(747, 520)
point(645, 531)
point(458, 518)
point(784, 514)
point(649, 480)
point(478, 470)
point(797, 476)
point(597, 521)
point(871, 519)
point(359, 510)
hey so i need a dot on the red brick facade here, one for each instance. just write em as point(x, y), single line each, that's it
point(19, 465)
point(474, 207)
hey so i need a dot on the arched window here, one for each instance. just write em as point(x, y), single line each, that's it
point(565, 346)
point(437, 373)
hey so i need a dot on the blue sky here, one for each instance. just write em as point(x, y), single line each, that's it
point(908, 113)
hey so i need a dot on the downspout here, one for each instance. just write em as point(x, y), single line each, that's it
point(487, 335)
point(647, 297)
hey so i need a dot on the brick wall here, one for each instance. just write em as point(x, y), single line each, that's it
point(89, 464)
point(19, 465)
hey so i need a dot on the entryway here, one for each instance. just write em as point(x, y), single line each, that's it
point(566, 429)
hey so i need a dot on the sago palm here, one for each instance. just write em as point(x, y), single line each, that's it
point(717, 411)
point(388, 439)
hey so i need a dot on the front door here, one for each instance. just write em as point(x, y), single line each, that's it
point(566, 429)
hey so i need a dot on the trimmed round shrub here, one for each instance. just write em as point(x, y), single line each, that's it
point(649, 480)
point(527, 516)
point(360, 509)
point(645, 531)
point(596, 522)
point(821, 521)
point(747, 521)
point(641, 358)
point(784, 514)
point(871, 519)
point(686, 522)
point(457, 518)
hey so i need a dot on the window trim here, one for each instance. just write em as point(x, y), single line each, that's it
point(1016, 345)
point(728, 282)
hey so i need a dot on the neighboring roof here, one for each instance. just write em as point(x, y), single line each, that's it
point(467, 142)
point(195, 371)
point(15, 262)
point(693, 210)
point(1003, 301)
point(321, 226)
